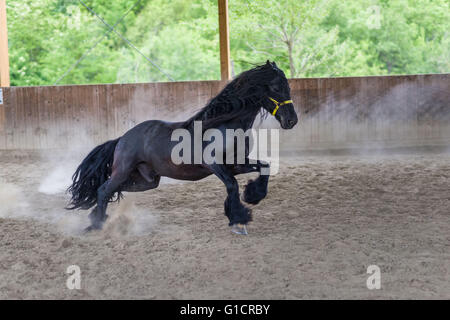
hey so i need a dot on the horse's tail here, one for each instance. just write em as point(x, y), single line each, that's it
point(95, 170)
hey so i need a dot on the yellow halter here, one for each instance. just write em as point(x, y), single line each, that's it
point(279, 104)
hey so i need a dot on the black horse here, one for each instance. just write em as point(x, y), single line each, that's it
point(137, 160)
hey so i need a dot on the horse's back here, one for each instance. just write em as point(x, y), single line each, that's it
point(145, 135)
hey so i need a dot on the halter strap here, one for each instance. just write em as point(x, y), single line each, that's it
point(278, 104)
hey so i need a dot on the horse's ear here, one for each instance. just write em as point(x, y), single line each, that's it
point(274, 65)
point(268, 63)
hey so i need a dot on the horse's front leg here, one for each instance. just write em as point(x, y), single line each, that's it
point(238, 215)
point(255, 190)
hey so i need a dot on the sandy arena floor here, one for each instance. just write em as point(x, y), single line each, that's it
point(324, 222)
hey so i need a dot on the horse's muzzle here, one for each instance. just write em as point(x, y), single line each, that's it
point(288, 123)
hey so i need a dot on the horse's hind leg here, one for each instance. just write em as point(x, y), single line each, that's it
point(104, 194)
point(125, 178)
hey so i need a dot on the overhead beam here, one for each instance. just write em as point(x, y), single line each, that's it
point(224, 39)
point(4, 57)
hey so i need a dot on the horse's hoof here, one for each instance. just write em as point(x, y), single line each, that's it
point(239, 229)
point(90, 229)
point(253, 192)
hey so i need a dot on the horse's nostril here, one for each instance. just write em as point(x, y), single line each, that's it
point(291, 122)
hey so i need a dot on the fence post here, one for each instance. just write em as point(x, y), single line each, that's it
point(224, 37)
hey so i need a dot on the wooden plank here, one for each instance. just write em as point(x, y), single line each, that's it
point(8, 103)
point(5, 98)
point(20, 134)
point(102, 114)
point(29, 121)
point(41, 123)
point(4, 56)
point(224, 39)
point(110, 111)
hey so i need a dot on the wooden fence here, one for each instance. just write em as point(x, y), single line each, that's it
point(333, 112)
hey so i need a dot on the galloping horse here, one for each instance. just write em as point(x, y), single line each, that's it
point(136, 161)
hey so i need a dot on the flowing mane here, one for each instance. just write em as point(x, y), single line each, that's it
point(240, 99)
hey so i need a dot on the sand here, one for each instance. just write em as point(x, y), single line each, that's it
point(325, 220)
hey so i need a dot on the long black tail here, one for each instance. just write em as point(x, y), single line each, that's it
point(95, 170)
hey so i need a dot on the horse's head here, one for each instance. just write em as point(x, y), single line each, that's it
point(278, 101)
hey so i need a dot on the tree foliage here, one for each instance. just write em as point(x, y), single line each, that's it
point(308, 38)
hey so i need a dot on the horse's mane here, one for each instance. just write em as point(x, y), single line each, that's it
point(240, 99)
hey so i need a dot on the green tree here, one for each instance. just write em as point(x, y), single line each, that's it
point(181, 37)
point(411, 37)
point(290, 32)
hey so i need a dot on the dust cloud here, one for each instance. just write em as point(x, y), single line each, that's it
point(49, 174)
point(12, 200)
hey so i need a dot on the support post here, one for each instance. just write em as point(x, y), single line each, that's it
point(224, 37)
point(4, 57)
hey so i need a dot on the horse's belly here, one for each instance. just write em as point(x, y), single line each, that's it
point(185, 172)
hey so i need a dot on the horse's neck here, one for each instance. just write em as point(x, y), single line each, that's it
point(245, 122)
point(250, 119)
